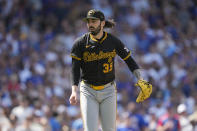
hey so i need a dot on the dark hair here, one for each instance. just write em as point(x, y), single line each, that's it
point(109, 24)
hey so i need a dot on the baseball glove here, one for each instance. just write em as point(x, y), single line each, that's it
point(146, 90)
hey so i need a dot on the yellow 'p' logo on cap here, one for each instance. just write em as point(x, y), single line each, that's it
point(91, 12)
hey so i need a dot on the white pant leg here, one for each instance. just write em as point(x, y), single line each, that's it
point(90, 110)
point(108, 113)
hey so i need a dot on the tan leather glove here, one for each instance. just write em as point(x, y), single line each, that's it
point(146, 90)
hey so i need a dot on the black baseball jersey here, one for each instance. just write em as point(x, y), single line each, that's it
point(95, 58)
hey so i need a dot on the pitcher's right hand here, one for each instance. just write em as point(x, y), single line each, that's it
point(73, 97)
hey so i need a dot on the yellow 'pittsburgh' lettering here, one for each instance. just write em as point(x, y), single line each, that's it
point(87, 56)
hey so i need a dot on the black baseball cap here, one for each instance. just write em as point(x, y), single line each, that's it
point(94, 14)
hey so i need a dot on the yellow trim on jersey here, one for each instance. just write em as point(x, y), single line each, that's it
point(75, 57)
point(127, 56)
point(104, 37)
point(91, 36)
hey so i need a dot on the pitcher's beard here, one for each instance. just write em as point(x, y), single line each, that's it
point(96, 31)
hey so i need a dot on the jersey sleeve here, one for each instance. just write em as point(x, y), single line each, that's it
point(76, 52)
point(125, 54)
point(122, 50)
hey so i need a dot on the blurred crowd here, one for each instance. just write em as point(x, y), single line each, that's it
point(36, 37)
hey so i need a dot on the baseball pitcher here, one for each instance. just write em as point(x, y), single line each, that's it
point(93, 67)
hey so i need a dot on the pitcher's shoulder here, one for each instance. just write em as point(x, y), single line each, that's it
point(112, 37)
